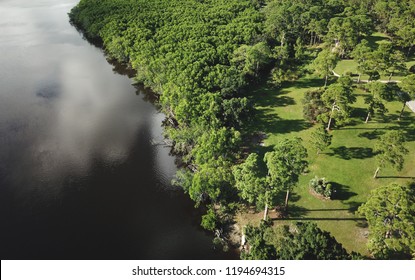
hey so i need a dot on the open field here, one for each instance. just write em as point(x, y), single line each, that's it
point(348, 163)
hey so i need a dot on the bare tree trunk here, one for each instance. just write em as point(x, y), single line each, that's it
point(329, 124)
point(403, 109)
point(358, 79)
point(376, 173)
point(331, 114)
point(266, 212)
point(390, 77)
point(367, 118)
point(286, 199)
point(325, 82)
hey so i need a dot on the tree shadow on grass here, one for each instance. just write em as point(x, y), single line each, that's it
point(352, 152)
point(296, 211)
point(306, 83)
point(360, 113)
point(396, 177)
point(375, 134)
point(341, 192)
point(272, 97)
point(318, 219)
point(282, 126)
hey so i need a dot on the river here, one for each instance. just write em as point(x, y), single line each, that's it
point(79, 176)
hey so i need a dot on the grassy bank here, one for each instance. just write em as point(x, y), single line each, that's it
point(349, 162)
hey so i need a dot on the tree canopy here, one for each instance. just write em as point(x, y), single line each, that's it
point(390, 212)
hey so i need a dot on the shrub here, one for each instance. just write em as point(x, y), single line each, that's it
point(321, 186)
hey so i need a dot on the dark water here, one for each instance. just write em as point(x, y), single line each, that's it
point(79, 178)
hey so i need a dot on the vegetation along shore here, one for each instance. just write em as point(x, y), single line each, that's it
point(290, 116)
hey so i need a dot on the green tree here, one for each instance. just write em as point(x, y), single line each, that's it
point(258, 247)
point(308, 242)
point(325, 63)
point(313, 106)
point(390, 212)
point(320, 139)
point(337, 99)
point(388, 60)
point(390, 150)
point(408, 91)
point(362, 54)
point(209, 220)
point(285, 164)
point(252, 186)
point(251, 58)
point(374, 101)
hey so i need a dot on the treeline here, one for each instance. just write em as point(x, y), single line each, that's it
point(199, 56)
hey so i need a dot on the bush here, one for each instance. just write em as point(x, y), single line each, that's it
point(321, 186)
point(209, 220)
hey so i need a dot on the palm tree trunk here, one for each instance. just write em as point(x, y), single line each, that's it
point(376, 173)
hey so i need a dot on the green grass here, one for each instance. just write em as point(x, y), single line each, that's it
point(350, 66)
point(349, 162)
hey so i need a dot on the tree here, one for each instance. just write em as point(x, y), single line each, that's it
point(285, 164)
point(251, 185)
point(308, 242)
point(209, 220)
point(313, 106)
point(259, 248)
point(390, 212)
point(408, 91)
point(406, 37)
point(390, 150)
point(375, 100)
point(338, 97)
point(388, 60)
point(249, 59)
point(320, 139)
point(325, 63)
point(362, 54)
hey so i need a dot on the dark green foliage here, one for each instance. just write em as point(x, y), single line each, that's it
point(313, 106)
point(390, 212)
point(209, 220)
point(308, 242)
point(259, 249)
point(391, 150)
point(337, 98)
point(251, 184)
point(301, 241)
point(320, 139)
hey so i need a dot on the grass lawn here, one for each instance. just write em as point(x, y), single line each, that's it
point(349, 162)
point(350, 66)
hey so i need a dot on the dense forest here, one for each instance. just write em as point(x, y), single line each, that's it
point(203, 58)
